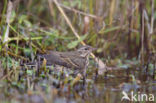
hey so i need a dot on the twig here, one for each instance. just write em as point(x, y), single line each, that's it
point(12, 54)
point(6, 75)
point(80, 12)
point(67, 20)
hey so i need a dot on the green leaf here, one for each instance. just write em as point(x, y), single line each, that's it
point(73, 44)
point(27, 23)
point(109, 29)
point(22, 18)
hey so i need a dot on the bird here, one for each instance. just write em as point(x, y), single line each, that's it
point(77, 60)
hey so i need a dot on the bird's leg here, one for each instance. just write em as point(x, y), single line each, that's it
point(84, 77)
point(38, 65)
point(85, 69)
point(85, 74)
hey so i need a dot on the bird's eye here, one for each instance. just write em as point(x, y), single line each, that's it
point(86, 48)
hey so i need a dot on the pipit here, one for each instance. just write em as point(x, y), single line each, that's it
point(78, 60)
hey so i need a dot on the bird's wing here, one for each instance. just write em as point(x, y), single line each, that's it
point(70, 62)
point(68, 58)
point(59, 58)
point(74, 59)
point(80, 61)
point(52, 58)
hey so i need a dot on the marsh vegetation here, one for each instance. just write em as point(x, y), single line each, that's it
point(123, 31)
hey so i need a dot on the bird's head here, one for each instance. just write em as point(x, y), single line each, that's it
point(85, 50)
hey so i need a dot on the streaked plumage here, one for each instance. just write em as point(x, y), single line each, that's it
point(74, 59)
